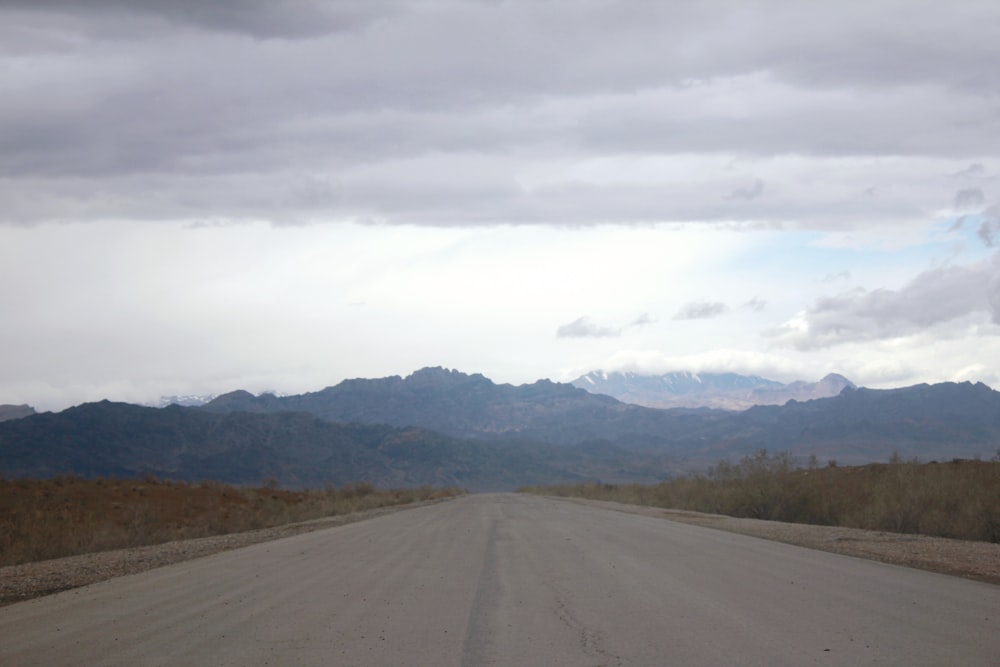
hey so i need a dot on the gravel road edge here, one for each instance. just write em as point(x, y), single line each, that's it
point(979, 561)
point(32, 580)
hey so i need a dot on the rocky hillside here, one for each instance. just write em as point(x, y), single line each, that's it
point(855, 426)
point(461, 405)
point(15, 411)
point(295, 448)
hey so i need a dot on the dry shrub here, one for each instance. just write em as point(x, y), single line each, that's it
point(959, 499)
point(64, 516)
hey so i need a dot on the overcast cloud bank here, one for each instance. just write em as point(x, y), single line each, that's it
point(457, 113)
point(787, 189)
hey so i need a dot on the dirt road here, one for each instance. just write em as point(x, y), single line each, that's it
point(513, 580)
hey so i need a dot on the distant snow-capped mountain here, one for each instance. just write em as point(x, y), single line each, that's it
point(187, 401)
point(198, 400)
point(726, 391)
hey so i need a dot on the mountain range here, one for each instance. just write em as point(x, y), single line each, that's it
point(460, 405)
point(15, 411)
point(296, 449)
point(724, 391)
point(441, 426)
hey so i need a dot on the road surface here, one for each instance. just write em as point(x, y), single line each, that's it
point(513, 580)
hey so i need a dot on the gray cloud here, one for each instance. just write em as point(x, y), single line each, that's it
point(644, 319)
point(834, 277)
point(749, 192)
point(257, 18)
point(431, 113)
point(989, 226)
point(583, 327)
point(988, 232)
point(701, 310)
point(756, 304)
point(935, 297)
point(974, 170)
point(969, 198)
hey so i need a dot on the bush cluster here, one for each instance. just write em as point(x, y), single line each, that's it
point(65, 516)
point(958, 499)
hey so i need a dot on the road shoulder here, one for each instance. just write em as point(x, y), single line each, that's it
point(32, 580)
point(979, 561)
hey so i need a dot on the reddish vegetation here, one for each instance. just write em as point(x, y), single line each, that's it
point(42, 519)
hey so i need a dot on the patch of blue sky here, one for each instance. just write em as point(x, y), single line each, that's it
point(801, 255)
point(962, 233)
point(811, 257)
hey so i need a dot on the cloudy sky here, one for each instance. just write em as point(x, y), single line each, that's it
point(280, 194)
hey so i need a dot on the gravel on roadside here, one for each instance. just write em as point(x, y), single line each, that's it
point(31, 580)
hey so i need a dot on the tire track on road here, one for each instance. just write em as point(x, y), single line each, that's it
point(476, 648)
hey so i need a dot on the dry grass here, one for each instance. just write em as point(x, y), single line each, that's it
point(66, 516)
point(959, 499)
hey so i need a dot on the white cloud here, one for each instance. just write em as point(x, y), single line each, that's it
point(764, 364)
point(144, 310)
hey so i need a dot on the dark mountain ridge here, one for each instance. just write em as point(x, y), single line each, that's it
point(295, 448)
point(120, 439)
point(941, 421)
point(444, 427)
point(452, 402)
point(856, 426)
